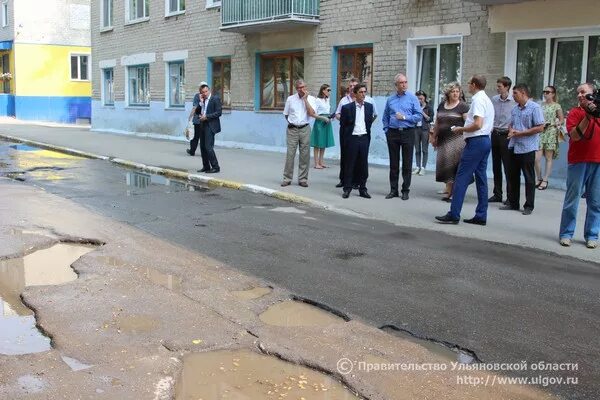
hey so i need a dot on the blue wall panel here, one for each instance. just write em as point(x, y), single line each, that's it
point(55, 109)
point(7, 105)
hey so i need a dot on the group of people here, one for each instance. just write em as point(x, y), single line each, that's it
point(515, 129)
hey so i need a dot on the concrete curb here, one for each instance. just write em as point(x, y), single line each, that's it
point(175, 174)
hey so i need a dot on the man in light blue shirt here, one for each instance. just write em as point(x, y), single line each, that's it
point(400, 117)
point(527, 121)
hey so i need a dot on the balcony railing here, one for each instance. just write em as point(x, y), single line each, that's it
point(259, 15)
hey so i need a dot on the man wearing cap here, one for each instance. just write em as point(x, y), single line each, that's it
point(195, 118)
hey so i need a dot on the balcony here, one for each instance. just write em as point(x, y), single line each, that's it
point(244, 16)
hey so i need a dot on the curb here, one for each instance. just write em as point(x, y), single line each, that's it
point(171, 173)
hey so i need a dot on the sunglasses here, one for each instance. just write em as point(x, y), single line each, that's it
point(328, 90)
point(547, 91)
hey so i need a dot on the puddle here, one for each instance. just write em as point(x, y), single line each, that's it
point(252, 294)
point(52, 266)
point(436, 348)
point(296, 313)
point(135, 323)
point(143, 181)
point(24, 147)
point(288, 210)
point(248, 375)
point(75, 364)
point(171, 282)
point(39, 163)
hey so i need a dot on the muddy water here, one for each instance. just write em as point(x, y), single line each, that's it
point(248, 375)
point(296, 313)
point(252, 294)
point(52, 266)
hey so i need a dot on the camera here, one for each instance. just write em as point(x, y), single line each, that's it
point(595, 98)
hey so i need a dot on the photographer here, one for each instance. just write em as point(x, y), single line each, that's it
point(583, 176)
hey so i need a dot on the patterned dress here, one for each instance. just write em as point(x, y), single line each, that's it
point(549, 137)
point(450, 144)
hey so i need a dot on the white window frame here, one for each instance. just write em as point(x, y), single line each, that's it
point(512, 38)
point(103, 94)
point(213, 3)
point(414, 67)
point(168, 84)
point(169, 12)
point(127, 90)
point(89, 64)
point(145, 17)
point(5, 13)
point(104, 24)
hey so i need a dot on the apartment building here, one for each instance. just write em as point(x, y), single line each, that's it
point(45, 60)
point(150, 55)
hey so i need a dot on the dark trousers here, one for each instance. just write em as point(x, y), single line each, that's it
point(521, 163)
point(343, 159)
point(500, 161)
point(397, 140)
point(357, 162)
point(207, 151)
point(196, 138)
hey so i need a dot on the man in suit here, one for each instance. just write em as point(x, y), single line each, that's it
point(195, 118)
point(355, 126)
point(211, 125)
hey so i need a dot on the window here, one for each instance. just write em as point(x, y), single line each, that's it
point(108, 93)
point(277, 75)
point(138, 9)
point(175, 6)
point(79, 67)
point(4, 13)
point(5, 67)
point(176, 82)
point(213, 3)
point(437, 65)
point(221, 79)
point(354, 63)
point(563, 59)
point(139, 85)
point(107, 13)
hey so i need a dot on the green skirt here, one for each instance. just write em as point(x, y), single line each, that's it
point(322, 134)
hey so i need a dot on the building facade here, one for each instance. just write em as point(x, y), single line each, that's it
point(150, 55)
point(45, 58)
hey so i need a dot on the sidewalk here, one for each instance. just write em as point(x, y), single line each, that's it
point(264, 169)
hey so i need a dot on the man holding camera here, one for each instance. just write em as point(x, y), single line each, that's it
point(583, 175)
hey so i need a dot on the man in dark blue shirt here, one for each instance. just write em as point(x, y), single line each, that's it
point(400, 117)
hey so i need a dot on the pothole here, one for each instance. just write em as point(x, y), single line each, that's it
point(144, 181)
point(297, 313)
point(445, 350)
point(135, 323)
point(252, 294)
point(52, 266)
point(248, 375)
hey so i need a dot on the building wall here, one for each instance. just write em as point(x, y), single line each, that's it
point(7, 32)
point(386, 26)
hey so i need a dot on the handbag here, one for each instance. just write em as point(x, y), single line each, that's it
point(188, 132)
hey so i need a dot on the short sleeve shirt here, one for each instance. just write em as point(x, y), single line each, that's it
point(584, 150)
point(295, 109)
point(481, 106)
point(522, 119)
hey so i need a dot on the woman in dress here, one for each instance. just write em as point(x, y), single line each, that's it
point(422, 133)
point(549, 138)
point(322, 133)
point(451, 112)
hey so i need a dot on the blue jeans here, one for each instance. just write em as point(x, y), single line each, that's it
point(580, 176)
point(473, 161)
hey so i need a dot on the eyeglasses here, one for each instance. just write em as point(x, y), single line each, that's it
point(547, 91)
point(328, 90)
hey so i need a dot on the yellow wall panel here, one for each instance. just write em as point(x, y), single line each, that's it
point(45, 70)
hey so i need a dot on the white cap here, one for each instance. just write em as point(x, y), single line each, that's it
point(202, 84)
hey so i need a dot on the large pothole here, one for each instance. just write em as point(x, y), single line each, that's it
point(297, 313)
point(52, 266)
point(248, 375)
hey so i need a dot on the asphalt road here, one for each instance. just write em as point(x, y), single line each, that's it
point(504, 303)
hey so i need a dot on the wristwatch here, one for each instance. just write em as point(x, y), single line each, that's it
point(403, 117)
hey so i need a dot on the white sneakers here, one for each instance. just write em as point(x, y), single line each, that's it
point(590, 244)
point(422, 171)
point(565, 242)
point(418, 171)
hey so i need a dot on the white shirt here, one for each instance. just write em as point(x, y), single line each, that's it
point(204, 104)
point(295, 109)
point(347, 100)
point(323, 106)
point(360, 127)
point(481, 106)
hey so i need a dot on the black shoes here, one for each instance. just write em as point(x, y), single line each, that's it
point(365, 194)
point(339, 185)
point(346, 194)
point(189, 152)
point(527, 211)
point(213, 170)
point(404, 196)
point(447, 219)
point(508, 207)
point(495, 199)
point(475, 221)
point(392, 194)
point(204, 169)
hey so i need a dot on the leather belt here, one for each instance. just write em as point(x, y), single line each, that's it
point(400, 129)
point(500, 131)
point(292, 126)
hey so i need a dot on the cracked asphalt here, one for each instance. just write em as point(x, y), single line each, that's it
point(504, 303)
